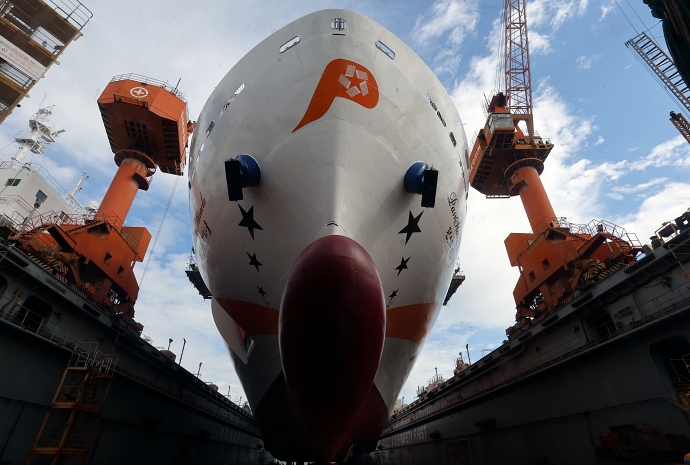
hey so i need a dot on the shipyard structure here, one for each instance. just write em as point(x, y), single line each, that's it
point(78, 383)
point(328, 183)
point(602, 379)
point(78, 379)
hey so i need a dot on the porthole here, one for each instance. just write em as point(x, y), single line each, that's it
point(384, 48)
point(289, 44)
point(452, 139)
point(431, 102)
point(210, 128)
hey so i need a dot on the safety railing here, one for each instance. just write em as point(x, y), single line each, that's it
point(87, 355)
point(36, 168)
point(35, 24)
point(13, 211)
point(148, 80)
point(45, 220)
point(73, 11)
point(594, 227)
point(15, 75)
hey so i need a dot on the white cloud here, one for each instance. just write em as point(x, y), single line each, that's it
point(666, 205)
point(600, 140)
point(584, 62)
point(453, 19)
point(622, 192)
point(539, 44)
point(554, 12)
point(479, 80)
point(675, 152)
point(606, 9)
point(449, 60)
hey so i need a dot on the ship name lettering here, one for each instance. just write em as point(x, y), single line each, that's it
point(454, 230)
point(408, 437)
point(200, 210)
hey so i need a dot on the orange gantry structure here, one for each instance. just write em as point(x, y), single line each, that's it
point(557, 260)
point(94, 252)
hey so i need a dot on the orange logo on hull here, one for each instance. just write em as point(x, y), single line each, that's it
point(345, 79)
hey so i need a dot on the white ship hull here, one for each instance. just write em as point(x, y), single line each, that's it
point(332, 162)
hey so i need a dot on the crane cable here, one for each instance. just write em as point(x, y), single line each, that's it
point(158, 233)
point(626, 17)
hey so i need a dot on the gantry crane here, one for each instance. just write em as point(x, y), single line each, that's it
point(556, 260)
point(147, 127)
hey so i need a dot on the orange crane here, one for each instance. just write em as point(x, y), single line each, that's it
point(147, 127)
point(557, 260)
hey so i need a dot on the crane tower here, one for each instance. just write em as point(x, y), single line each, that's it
point(556, 260)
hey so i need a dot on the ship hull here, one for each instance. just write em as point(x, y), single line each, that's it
point(334, 122)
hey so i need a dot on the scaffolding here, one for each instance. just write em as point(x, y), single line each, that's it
point(33, 35)
point(71, 423)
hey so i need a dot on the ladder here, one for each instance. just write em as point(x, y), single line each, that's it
point(662, 66)
point(70, 425)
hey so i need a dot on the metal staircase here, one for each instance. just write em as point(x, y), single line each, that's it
point(662, 66)
point(70, 425)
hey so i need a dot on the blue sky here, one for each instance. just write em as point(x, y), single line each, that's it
point(616, 155)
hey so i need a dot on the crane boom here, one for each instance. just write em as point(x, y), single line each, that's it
point(518, 76)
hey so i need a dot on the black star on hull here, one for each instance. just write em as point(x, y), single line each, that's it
point(394, 294)
point(412, 226)
point(403, 265)
point(261, 291)
point(248, 220)
point(253, 261)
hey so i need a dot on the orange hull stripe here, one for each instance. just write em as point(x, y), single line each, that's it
point(254, 319)
point(411, 322)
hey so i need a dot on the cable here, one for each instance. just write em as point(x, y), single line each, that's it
point(638, 16)
point(656, 78)
point(158, 233)
point(626, 16)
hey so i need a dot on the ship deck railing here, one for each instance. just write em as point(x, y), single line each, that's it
point(59, 218)
point(73, 11)
point(674, 300)
point(148, 80)
point(34, 323)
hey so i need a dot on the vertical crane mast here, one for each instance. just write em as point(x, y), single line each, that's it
point(518, 75)
point(556, 261)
